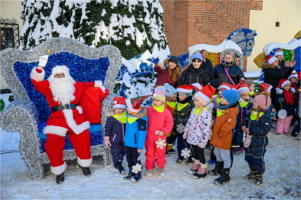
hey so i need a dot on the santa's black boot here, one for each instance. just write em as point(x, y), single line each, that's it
point(60, 178)
point(86, 170)
point(224, 178)
point(130, 175)
point(120, 168)
point(217, 170)
point(137, 178)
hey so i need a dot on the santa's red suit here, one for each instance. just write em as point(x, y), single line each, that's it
point(66, 120)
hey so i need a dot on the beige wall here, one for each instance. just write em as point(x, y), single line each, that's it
point(287, 12)
point(10, 9)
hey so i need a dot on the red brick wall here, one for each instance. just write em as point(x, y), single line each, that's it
point(190, 22)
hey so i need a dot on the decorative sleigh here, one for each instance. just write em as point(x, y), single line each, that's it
point(29, 112)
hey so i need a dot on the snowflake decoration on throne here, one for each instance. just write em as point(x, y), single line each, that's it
point(180, 128)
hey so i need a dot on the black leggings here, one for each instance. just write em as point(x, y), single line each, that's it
point(198, 154)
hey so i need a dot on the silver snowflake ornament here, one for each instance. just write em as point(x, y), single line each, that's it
point(137, 168)
point(180, 128)
point(161, 143)
point(185, 153)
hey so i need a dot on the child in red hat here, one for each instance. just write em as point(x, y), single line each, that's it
point(197, 130)
point(135, 134)
point(114, 132)
point(160, 123)
point(285, 99)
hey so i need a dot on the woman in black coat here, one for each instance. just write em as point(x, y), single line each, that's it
point(228, 63)
point(195, 73)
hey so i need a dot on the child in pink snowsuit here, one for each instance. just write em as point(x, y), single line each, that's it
point(160, 123)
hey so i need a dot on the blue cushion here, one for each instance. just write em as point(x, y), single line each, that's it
point(95, 128)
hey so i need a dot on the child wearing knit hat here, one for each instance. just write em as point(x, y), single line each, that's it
point(244, 110)
point(224, 123)
point(182, 113)
point(197, 130)
point(160, 123)
point(170, 103)
point(258, 126)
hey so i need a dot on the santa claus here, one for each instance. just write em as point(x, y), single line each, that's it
point(63, 94)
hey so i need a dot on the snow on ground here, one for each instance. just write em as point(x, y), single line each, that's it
point(281, 180)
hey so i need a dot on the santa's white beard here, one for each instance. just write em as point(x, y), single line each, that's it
point(62, 89)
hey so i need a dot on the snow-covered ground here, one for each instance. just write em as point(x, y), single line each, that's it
point(281, 180)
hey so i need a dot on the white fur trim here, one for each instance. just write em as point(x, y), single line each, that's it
point(279, 53)
point(84, 162)
point(272, 59)
point(201, 95)
point(293, 90)
point(99, 84)
point(58, 170)
point(269, 89)
point(243, 89)
point(204, 165)
point(285, 82)
point(129, 104)
point(279, 91)
point(293, 76)
point(60, 69)
point(225, 87)
point(197, 85)
point(119, 106)
point(184, 90)
point(72, 124)
point(80, 110)
point(37, 76)
point(57, 130)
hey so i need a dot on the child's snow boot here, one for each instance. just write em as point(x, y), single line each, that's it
point(60, 178)
point(86, 170)
point(180, 160)
point(250, 176)
point(160, 172)
point(201, 172)
point(120, 168)
point(195, 167)
point(188, 161)
point(137, 178)
point(172, 151)
point(217, 170)
point(224, 178)
point(258, 179)
point(130, 175)
point(149, 173)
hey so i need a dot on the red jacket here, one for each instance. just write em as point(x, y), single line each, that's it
point(158, 122)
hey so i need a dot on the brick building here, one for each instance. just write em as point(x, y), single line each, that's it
point(190, 22)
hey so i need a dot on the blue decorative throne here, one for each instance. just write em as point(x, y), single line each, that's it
point(29, 111)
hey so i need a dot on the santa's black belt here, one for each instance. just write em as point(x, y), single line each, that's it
point(67, 106)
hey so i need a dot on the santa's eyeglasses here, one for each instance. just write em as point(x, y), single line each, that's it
point(59, 76)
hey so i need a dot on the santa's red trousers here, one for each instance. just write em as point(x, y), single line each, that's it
point(154, 154)
point(54, 147)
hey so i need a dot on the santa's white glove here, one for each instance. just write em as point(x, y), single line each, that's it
point(185, 135)
point(43, 60)
point(202, 145)
point(107, 142)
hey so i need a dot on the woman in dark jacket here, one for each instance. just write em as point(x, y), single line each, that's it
point(195, 73)
point(228, 63)
point(281, 63)
point(168, 72)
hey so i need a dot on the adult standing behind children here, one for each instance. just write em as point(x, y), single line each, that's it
point(195, 73)
point(168, 72)
point(228, 71)
point(207, 64)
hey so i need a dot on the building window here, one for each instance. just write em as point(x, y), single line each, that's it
point(9, 34)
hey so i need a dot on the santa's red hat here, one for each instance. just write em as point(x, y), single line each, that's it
point(279, 53)
point(205, 94)
point(293, 76)
point(119, 102)
point(185, 89)
point(264, 87)
point(270, 59)
point(225, 86)
point(242, 88)
point(135, 103)
point(197, 86)
point(281, 84)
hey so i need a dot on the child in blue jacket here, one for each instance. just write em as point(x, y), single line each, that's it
point(136, 127)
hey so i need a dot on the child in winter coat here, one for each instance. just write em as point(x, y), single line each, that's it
point(135, 134)
point(293, 80)
point(182, 113)
point(259, 126)
point(296, 129)
point(114, 132)
point(170, 103)
point(222, 135)
point(160, 123)
point(244, 111)
point(197, 130)
point(251, 86)
point(286, 98)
